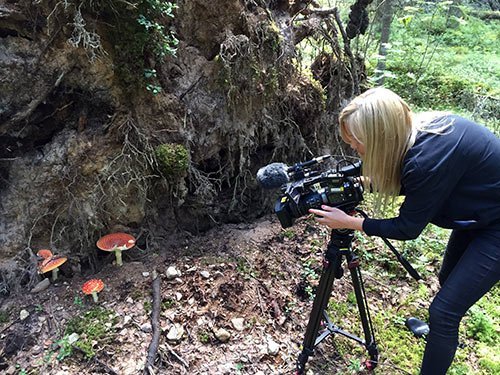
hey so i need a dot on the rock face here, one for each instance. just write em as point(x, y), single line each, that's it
point(87, 99)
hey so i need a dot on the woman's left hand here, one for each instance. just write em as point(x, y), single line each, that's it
point(337, 219)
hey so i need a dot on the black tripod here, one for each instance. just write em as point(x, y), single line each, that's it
point(338, 247)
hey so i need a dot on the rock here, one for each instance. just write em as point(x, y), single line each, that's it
point(23, 314)
point(205, 274)
point(178, 296)
point(238, 324)
point(146, 327)
point(41, 286)
point(272, 347)
point(129, 300)
point(172, 273)
point(222, 335)
point(175, 333)
point(145, 274)
point(73, 338)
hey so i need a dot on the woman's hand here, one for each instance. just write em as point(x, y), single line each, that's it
point(337, 219)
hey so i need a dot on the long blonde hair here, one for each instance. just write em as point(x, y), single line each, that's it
point(382, 122)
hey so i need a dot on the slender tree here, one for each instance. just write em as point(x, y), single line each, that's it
point(386, 10)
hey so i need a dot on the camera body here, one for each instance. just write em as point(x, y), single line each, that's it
point(310, 187)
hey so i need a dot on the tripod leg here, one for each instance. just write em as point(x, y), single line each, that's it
point(325, 286)
point(364, 314)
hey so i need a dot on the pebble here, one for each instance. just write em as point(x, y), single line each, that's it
point(238, 324)
point(23, 314)
point(172, 273)
point(175, 333)
point(41, 286)
point(145, 274)
point(222, 335)
point(205, 274)
point(272, 347)
point(146, 327)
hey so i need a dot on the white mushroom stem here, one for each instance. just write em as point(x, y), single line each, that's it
point(118, 254)
point(94, 296)
point(54, 274)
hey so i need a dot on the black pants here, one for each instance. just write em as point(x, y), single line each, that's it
point(471, 267)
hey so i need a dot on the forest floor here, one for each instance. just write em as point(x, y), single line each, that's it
point(238, 305)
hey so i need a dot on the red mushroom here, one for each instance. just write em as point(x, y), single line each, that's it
point(51, 264)
point(116, 242)
point(44, 253)
point(93, 287)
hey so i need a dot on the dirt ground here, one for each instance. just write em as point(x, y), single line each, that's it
point(250, 280)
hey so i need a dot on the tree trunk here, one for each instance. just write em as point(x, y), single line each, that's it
point(387, 12)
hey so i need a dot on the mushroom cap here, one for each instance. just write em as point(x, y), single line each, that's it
point(93, 285)
point(51, 263)
point(44, 253)
point(113, 241)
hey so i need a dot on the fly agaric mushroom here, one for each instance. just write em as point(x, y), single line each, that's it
point(93, 287)
point(44, 253)
point(116, 242)
point(51, 264)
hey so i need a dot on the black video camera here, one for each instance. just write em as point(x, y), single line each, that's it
point(309, 187)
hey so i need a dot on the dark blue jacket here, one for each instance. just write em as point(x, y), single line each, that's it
point(450, 179)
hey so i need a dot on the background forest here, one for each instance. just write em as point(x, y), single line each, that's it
point(154, 120)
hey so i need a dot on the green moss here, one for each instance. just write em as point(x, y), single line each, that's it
point(4, 317)
point(204, 336)
point(172, 158)
point(95, 329)
point(481, 327)
point(167, 303)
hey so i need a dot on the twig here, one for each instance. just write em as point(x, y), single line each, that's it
point(155, 317)
point(177, 356)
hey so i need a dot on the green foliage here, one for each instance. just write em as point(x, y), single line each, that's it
point(167, 303)
point(160, 41)
point(172, 158)
point(65, 348)
point(4, 317)
point(94, 328)
point(481, 327)
point(77, 301)
point(141, 35)
point(441, 57)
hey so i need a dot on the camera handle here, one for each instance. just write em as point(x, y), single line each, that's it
point(338, 247)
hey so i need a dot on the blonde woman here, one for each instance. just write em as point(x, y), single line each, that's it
point(448, 169)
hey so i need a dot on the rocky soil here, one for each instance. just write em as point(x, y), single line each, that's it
point(235, 300)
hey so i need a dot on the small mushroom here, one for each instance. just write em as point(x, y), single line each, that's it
point(44, 253)
point(51, 264)
point(116, 242)
point(93, 287)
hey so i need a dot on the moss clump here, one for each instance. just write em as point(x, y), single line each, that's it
point(95, 329)
point(4, 317)
point(172, 158)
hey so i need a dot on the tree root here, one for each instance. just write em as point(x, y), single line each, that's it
point(155, 318)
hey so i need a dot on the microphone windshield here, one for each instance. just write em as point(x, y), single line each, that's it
point(273, 175)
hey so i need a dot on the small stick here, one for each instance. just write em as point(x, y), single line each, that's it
point(179, 358)
point(155, 317)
